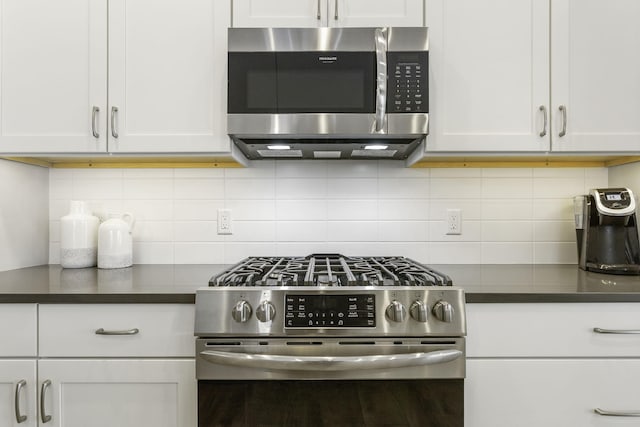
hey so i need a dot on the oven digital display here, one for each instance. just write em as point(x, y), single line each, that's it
point(330, 311)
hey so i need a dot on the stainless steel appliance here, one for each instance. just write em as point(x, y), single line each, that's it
point(607, 231)
point(328, 92)
point(330, 340)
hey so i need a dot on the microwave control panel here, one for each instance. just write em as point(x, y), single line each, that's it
point(407, 84)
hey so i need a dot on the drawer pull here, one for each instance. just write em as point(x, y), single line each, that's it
point(617, 331)
point(133, 331)
point(19, 417)
point(606, 413)
point(45, 418)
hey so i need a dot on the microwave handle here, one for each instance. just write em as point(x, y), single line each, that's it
point(381, 72)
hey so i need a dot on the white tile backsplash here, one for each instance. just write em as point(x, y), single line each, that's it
point(301, 210)
point(301, 188)
point(509, 215)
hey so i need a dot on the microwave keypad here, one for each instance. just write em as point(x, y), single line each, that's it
point(407, 83)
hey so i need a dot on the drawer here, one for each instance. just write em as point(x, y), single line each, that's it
point(129, 330)
point(551, 392)
point(18, 330)
point(552, 330)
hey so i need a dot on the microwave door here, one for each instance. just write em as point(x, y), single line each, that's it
point(326, 82)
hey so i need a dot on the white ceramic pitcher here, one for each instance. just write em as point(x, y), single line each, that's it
point(115, 243)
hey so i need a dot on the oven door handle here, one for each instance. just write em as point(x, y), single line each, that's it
point(330, 363)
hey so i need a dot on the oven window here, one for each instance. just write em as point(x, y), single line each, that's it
point(302, 82)
point(285, 403)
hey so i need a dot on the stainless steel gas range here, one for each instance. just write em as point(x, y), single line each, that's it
point(330, 340)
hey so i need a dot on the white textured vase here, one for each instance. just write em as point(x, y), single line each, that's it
point(78, 237)
point(115, 243)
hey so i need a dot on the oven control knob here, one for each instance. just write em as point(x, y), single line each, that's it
point(241, 311)
point(418, 311)
point(265, 311)
point(396, 312)
point(443, 311)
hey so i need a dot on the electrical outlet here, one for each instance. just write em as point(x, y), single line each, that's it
point(224, 221)
point(454, 221)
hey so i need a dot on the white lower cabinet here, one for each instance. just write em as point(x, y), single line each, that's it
point(114, 392)
point(125, 365)
point(18, 351)
point(545, 365)
point(18, 393)
point(551, 392)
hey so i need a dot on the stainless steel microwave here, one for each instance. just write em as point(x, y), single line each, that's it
point(328, 92)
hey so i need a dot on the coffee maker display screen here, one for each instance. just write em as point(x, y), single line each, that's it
point(613, 196)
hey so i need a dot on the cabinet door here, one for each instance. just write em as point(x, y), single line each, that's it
point(53, 64)
point(550, 392)
point(596, 65)
point(488, 75)
point(12, 372)
point(279, 13)
point(376, 13)
point(120, 392)
point(167, 76)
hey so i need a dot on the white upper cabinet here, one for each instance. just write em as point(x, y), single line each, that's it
point(596, 75)
point(279, 13)
point(376, 13)
point(489, 75)
point(134, 76)
point(53, 69)
point(167, 78)
point(327, 13)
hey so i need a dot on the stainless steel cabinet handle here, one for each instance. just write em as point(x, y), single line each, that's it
point(114, 133)
point(102, 331)
point(617, 331)
point(606, 413)
point(563, 110)
point(45, 418)
point(335, 14)
point(544, 125)
point(319, 16)
point(19, 417)
point(330, 363)
point(94, 124)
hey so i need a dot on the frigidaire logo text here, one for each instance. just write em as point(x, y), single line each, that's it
point(328, 58)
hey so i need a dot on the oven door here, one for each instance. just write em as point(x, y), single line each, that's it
point(342, 382)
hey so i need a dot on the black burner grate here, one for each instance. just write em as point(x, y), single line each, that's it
point(329, 270)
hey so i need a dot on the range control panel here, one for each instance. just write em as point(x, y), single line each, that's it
point(408, 84)
point(330, 311)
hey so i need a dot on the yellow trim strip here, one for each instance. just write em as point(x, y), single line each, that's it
point(511, 164)
point(29, 161)
point(622, 161)
point(142, 165)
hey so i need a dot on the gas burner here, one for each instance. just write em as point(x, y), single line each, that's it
point(329, 270)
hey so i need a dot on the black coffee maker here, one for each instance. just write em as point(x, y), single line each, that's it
point(607, 231)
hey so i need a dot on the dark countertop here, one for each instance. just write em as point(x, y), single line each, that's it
point(540, 283)
point(167, 283)
point(143, 283)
